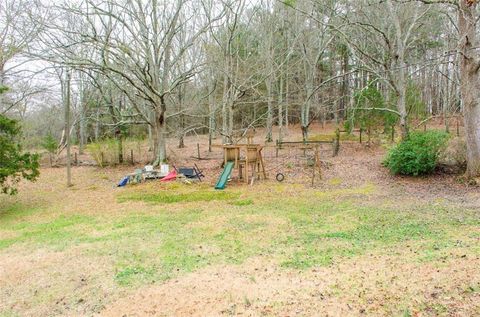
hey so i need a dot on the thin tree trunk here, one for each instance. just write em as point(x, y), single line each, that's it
point(67, 128)
point(225, 102)
point(97, 125)
point(280, 110)
point(400, 80)
point(344, 86)
point(470, 84)
point(82, 122)
point(2, 82)
point(211, 118)
point(269, 110)
point(305, 111)
point(120, 147)
point(160, 144)
point(287, 100)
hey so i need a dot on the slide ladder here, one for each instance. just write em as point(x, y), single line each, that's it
point(222, 180)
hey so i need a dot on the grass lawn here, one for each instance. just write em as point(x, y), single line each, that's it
point(79, 251)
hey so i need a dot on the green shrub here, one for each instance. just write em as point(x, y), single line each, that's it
point(369, 112)
point(418, 154)
point(14, 163)
point(50, 144)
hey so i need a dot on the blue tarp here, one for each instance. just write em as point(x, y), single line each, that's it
point(123, 182)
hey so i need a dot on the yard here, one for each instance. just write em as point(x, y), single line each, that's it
point(360, 243)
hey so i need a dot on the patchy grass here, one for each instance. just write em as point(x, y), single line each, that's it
point(242, 202)
point(173, 193)
point(170, 198)
point(331, 137)
point(130, 274)
point(183, 228)
point(59, 232)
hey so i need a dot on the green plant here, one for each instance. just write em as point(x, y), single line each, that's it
point(14, 165)
point(50, 144)
point(369, 112)
point(418, 154)
point(104, 152)
point(173, 197)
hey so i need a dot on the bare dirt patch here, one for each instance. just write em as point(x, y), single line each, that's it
point(373, 285)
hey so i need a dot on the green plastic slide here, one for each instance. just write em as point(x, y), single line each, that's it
point(222, 181)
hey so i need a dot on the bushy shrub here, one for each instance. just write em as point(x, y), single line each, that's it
point(14, 163)
point(104, 152)
point(418, 154)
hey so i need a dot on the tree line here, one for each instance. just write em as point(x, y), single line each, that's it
point(166, 69)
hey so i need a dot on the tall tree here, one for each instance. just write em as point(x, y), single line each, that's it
point(136, 44)
point(468, 43)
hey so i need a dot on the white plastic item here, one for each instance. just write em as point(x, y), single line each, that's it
point(164, 168)
point(148, 168)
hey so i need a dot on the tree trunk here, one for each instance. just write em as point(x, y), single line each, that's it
point(400, 84)
point(211, 118)
point(120, 148)
point(160, 144)
point(181, 139)
point(268, 137)
point(225, 107)
point(151, 138)
point(230, 121)
point(304, 133)
point(344, 86)
point(401, 106)
point(398, 74)
point(67, 127)
point(2, 79)
point(280, 110)
point(81, 137)
point(305, 111)
point(470, 84)
point(287, 100)
point(97, 124)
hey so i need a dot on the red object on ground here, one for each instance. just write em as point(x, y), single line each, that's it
point(170, 177)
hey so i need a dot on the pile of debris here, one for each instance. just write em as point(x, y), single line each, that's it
point(140, 175)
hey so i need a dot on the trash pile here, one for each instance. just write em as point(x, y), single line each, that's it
point(140, 175)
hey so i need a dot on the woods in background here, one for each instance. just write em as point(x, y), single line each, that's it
point(166, 69)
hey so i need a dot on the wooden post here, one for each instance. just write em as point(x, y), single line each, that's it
point(131, 157)
point(361, 130)
point(101, 159)
point(276, 149)
point(246, 166)
point(313, 175)
point(458, 127)
point(316, 164)
point(262, 165)
point(198, 151)
point(76, 159)
point(317, 161)
point(336, 142)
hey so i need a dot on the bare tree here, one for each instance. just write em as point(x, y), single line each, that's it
point(136, 44)
point(21, 22)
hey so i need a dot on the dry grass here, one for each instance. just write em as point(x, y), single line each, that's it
point(361, 242)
